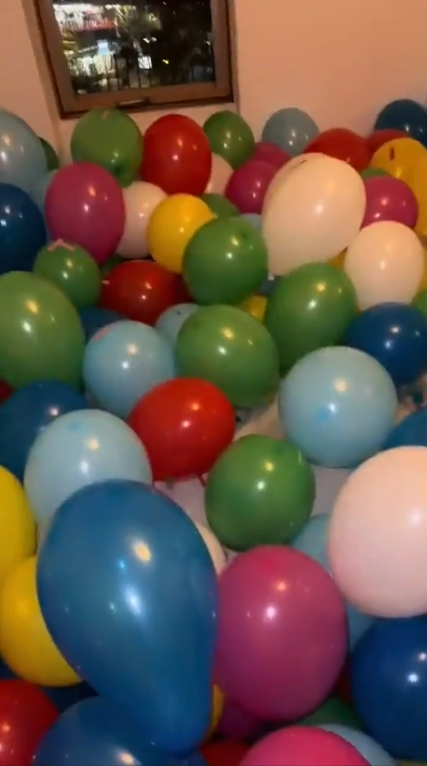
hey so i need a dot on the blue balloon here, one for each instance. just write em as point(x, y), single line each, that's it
point(338, 406)
point(404, 114)
point(94, 318)
point(313, 541)
point(129, 593)
point(26, 413)
point(410, 432)
point(395, 334)
point(388, 672)
point(254, 219)
point(92, 733)
point(123, 362)
point(64, 697)
point(39, 190)
point(78, 449)
point(370, 750)
point(291, 129)
point(22, 157)
point(170, 322)
point(22, 229)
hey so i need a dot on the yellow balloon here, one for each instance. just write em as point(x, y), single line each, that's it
point(25, 642)
point(423, 283)
point(17, 525)
point(217, 709)
point(417, 182)
point(171, 227)
point(255, 306)
point(399, 157)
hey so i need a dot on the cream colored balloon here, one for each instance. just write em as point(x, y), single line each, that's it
point(215, 549)
point(140, 199)
point(385, 262)
point(378, 535)
point(220, 173)
point(314, 214)
point(283, 173)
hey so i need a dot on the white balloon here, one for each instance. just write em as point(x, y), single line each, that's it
point(329, 482)
point(314, 214)
point(220, 173)
point(385, 262)
point(217, 552)
point(283, 173)
point(140, 199)
point(189, 495)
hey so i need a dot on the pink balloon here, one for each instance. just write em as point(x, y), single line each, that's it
point(248, 185)
point(389, 199)
point(84, 205)
point(303, 746)
point(270, 153)
point(282, 633)
point(237, 724)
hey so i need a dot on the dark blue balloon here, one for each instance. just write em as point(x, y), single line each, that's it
point(404, 114)
point(129, 593)
point(64, 697)
point(396, 336)
point(94, 318)
point(26, 413)
point(410, 432)
point(22, 230)
point(389, 686)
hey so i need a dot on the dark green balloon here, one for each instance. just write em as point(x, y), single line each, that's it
point(41, 335)
point(373, 173)
point(110, 138)
point(420, 302)
point(225, 262)
point(333, 711)
point(309, 308)
point(259, 492)
point(233, 351)
point(230, 136)
point(52, 159)
point(220, 206)
point(73, 270)
point(108, 266)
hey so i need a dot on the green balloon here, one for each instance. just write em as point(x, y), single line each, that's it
point(333, 711)
point(225, 261)
point(108, 266)
point(110, 138)
point(230, 137)
point(309, 308)
point(373, 173)
point(41, 335)
point(259, 492)
point(420, 302)
point(220, 206)
point(73, 270)
point(50, 154)
point(233, 351)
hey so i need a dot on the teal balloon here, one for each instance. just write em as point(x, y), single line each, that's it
point(291, 129)
point(370, 750)
point(40, 187)
point(22, 157)
point(170, 322)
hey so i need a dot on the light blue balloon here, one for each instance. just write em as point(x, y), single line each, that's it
point(22, 157)
point(313, 541)
point(338, 405)
point(370, 750)
point(78, 449)
point(39, 190)
point(291, 129)
point(254, 219)
point(124, 361)
point(170, 322)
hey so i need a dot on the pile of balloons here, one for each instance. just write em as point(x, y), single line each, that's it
point(213, 433)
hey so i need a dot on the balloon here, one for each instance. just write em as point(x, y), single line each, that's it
point(256, 306)
point(72, 270)
point(416, 181)
point(52, 159)
point(220, 173)
point(125, 361)
point(224, 753)
point(404, 114)
point(22, 231)
point(78, 449)
point(304, 745)
point(22, 157)
point(285, 172)
point(5, 391)
point(109, 265)
point(230, 136)
point(396, 336)
point(309, 308)
point(185, 424)
point(165, 592)
point(378, 138)
point(282, 626)
point(346, 417)
point(410, 432)
point(373, 173)
point(64, 697)
point(170, 321)
point(392, 485)
point(374, 754)
point(314, 214)
point(217, 708)
point(171, 227)
point(237, 724)
point(41, 336)
point(110, 138)
point(219, 205)
point(140, 199)
point(189, 495)
point(291, 129)
point(343, 144)
point(254, 219)
point(330, 713)
point(271, 153)
point(177, 155)
point(17, 527)
point(91, 733)
point(39, 189)
point(84, 205)
point(26, 714)
point(216, 551)
point(142, 291)
point(259, 492)
point(389, 199)
point(248, 185)
point(328, 485)
point(399, 157)
point(94, 319)
point(225, 262)
point(233, 351)
point(385, 262)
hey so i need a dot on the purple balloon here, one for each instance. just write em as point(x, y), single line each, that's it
point(248, 185)
point(389, 199)
point(270, 153)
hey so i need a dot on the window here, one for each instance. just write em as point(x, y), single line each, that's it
point(136, 54)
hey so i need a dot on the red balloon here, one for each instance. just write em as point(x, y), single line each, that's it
point(26, 714)
point(177, 156)
point(303, 746)
point(142, 290)
point(84, 205)
point(270, 153)
point(185, 424)
point(343, 144)
point(224, 752)
point(248, 185)
point(378, 138)
point(5, 391)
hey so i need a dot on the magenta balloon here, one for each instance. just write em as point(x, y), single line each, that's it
point(84, 205)
point(303, 746)
point(237, 724)
point(389, 199)
point(270, 153)
point(247, 186)
point(282, 633)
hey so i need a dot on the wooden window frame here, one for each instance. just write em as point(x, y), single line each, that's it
point(72, 105)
